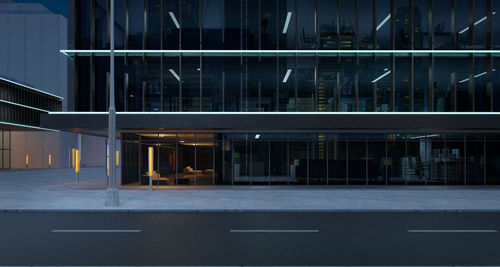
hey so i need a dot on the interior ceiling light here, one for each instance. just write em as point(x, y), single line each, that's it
point(381, 76)
point(477, 22)
point(257, 136)
point(287, 21)
point(174, 19)
point(383, 22)
point(287, 75)
point(175, 74)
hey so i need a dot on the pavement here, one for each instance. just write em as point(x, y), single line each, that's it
point(58, 190)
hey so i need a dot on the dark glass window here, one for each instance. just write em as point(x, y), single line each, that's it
point(190, 24)
point(153, 29)
point(136, 24)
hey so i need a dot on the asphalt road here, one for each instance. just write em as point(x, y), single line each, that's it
point(359, 238)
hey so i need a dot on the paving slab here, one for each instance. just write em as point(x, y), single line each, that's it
point(57, 190)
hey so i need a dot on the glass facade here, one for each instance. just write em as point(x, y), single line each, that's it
point(22, 105)
point(295, 56)
point(296, 81)
point(312, 159)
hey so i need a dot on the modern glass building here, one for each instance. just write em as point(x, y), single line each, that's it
point(312, 92)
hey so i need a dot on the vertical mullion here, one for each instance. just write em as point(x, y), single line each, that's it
point(484, 159)
point(453, 22)
point(277, 83)
point(366, 160)
point(200, 18)
point(445, 161)
point(269, 162)
point(145, 26)
point(316, 94)
point(288, 162)
point(465, 159)
point(406, 158)
point(162, 82)
point(195, 158)
point(385, 161)
point(327, 164)
point(374, 25)
point(213, 161)
point(307, 158)
point(431, 24)
point(316, 26)
point(411, 82)
point(177, 159)
point(431, 84)
point(140, 158)
point(347, 160)
point(158, 157)
point(393, 58)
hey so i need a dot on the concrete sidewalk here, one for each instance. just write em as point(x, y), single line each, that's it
point(57, 190)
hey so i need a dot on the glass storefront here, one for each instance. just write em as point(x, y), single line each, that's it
point(311, 159)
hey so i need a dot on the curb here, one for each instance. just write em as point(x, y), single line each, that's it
point(247, 210)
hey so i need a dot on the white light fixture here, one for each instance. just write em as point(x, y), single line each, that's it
point(287, 22)
point(287, 75)
point(477, 22)
point(475, 76)
point(174, 19)
point(175, 74)
point(383, 22)
point(424, 136)
point(381, 76)
point(257, 136)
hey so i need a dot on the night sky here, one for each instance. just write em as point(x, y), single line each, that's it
point(56, 6)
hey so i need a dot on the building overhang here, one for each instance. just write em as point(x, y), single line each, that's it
point(96, 123)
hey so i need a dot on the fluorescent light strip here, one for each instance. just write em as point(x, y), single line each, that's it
point(383, 22)
point(28, 126)
point(478, 75)
point(274, 113)
point(31, 88)
point(21, 105)
point(174, 19)
point(287, 22)
point(381, 76)
point(477, 22)
point(287, 75)
point(273, 52)
point(424, 136)
point(175, 74)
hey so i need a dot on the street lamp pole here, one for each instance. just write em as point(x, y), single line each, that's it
point(112, 193)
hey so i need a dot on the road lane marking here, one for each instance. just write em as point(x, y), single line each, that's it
point(95, 231)
point(274, 231)
point(452, 231)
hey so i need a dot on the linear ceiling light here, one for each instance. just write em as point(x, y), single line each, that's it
point(287, 21)
point(475, 76)
point(477, 22)
point(424, 136)
point(287, 75)
point(174, 19)
point(381, 76)
point(175, 74)
point(383, 22)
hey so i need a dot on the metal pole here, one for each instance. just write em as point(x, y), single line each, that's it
point(112, 192)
